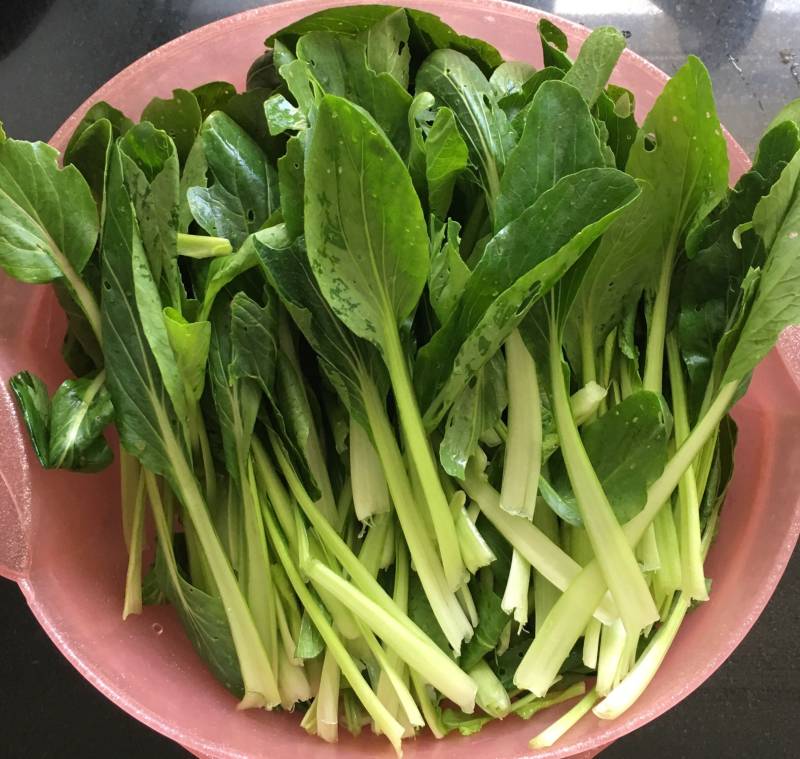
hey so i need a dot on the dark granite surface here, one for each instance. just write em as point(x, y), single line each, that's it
point(54, 53)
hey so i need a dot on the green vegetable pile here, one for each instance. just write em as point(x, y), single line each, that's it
point(420, 362)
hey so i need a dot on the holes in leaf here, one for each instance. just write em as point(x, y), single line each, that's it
point(251, 215)
point(650, 142)
point(106, 285)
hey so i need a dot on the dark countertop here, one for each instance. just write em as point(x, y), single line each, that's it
point(54, 53)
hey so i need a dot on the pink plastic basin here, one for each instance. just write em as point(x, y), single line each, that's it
point(60, 533)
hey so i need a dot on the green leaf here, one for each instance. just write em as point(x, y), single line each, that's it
point(429, 33)
point(205, 622)
point(190, 342)
point(282, 116)
point(236, 399)
point(776, 220)
point(101, 111)
point(721, 473)
point(615, 108)
point(222, 271)
point(449, 273)
point(151, 317)
point(48, 217)
point(179, 116)
point(627, 448)
point(309, 641)
point(421, 614)
point(263, 72)
point(343, 357)
point(466, 724)
point(554, 45)
point(491, 621)
point(516, 104)
point(142, 409)
point(364, 227)
point(686, 133)
point(711, 279)
point(247, 110)
point(682, 129)
point(254, 347)
point(80, 410)
point(194, 174)
point(34, 403)
point(420, 118)
point(562, 504)
point(509, 78)
point(89, 154)
point(291, 182)
point(349, 20)
point(152, 175)
point(558, 139)
point(245, 188)
point(85, 347)
point(506, 664)
point(386, 42)
point(512, 274)
point(303, 86)
point(255, 355)
point(596, 60)
point(789, 112)
point(446, 157)
point(212, 96)
point(477, 409)
point(457, 83)
point(339, 64)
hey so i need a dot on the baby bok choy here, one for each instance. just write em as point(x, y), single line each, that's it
point(420, 362)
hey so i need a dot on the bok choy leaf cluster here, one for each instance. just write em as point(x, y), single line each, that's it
point(420, 361)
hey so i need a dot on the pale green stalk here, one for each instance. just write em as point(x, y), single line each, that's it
point(614, 555)
point(423, 459)
point(568, 619)
point(430, 661)
point(693, 581)
point(542, 554)
point(551, 734)
point(523, 452)
point(392, 729)
point(133, 575)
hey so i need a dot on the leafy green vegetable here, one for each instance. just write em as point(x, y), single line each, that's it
point(776, 219)
point(368, 251)
point(245, 188)
point(251, 281)
point(79, 412)
point(291, 184)
point(179, 116)
point(511, 275)
point(595, 62)
point(475, 411)
point(457, 83)
point(492, 621)
point(213, 96)
point(339, 65)
point(558, 139)
point(34, 402)
point(150, 165)
point(627, 448)
point(446, 158)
